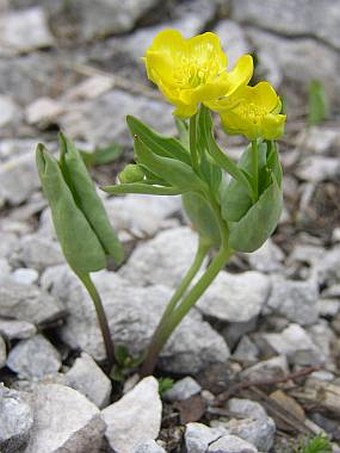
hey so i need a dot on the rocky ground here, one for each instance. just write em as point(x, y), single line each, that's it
point(257, 364)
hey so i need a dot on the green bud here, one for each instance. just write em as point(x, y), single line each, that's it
point(86, 197)
point(79, 243)
point(131, 173)
point(79, 217)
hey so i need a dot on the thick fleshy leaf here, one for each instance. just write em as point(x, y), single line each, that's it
point(158, 144)
point(235, 200)
point(140, 188)
point(259, 222)
point(175, 172)
point(202, 217)
point(87, 199)
point(80, 245)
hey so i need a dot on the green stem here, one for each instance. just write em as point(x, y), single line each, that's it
point(255, 167)
point(152, 352)
point(227, 164)
point(102, 319)
point(193, 141)
point(178, 314)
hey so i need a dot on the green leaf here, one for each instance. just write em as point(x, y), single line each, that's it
point(183, 131)
point(141, 188)
point(87, 199)
point(317, 444)
point(102, 156)
point(317, 103)
point(235, 200)
point(79, 243)
point(158, 144)
point(273, 161)
point(202, 217)
point(165, 384)
point(175, 172)
point(255, 227)
point(210, 172)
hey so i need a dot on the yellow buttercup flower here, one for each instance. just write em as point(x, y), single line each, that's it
point(193, 71)
point(253, 112)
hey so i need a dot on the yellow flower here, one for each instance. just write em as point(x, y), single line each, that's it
point(193, 71)
point(253, 112)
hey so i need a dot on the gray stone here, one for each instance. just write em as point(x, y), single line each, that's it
point(64, 421)
point(16, 420)
point(235, 298)
point(267, 258)
point(332, 291)
point(141, 215)
point(37, 252)
point(266, 369)
point(323, 336)
point(162, 260)
point(257, 431)
point(7, 243)
point(322, 375)
point(233, 331)
point(24, 31)
point(183, 389)
point(233, 40)
point(15, 146)
point(231, 444)
point(246, 350)
point(3, 352)
point(336, 235)
point(25, 276)
point(149, 446)
point(247, 408)
point(5, 269)
point(133, 313)
point(319, 140)
point(298, 17)
point(328, 308)
point(305, 253)
point(91, 120)
point(190, 18)
point(20, 79)
point(90, 88)
point(17, 330)
point(135, 418)
point(107, 17)
point(34, 358)
point(295, 300)
point(8, 111)
point(18, 179)
point(296, 59)
point(328, 269)
point(292, 340)
point(86, 377)
point(43, 112)
point(198, 437)
point(28, 303)
point(318, 168)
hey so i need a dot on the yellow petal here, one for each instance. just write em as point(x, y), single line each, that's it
point(273, 126)
point(263, 95)
point(241, 73)
point(206, 51)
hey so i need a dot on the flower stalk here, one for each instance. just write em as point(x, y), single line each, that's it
point(102, 319)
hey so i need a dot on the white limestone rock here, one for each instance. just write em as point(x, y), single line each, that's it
point(64, 421)
point(135, 418)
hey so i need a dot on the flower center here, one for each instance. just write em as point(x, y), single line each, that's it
point(252, 113)
point(191, 74)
